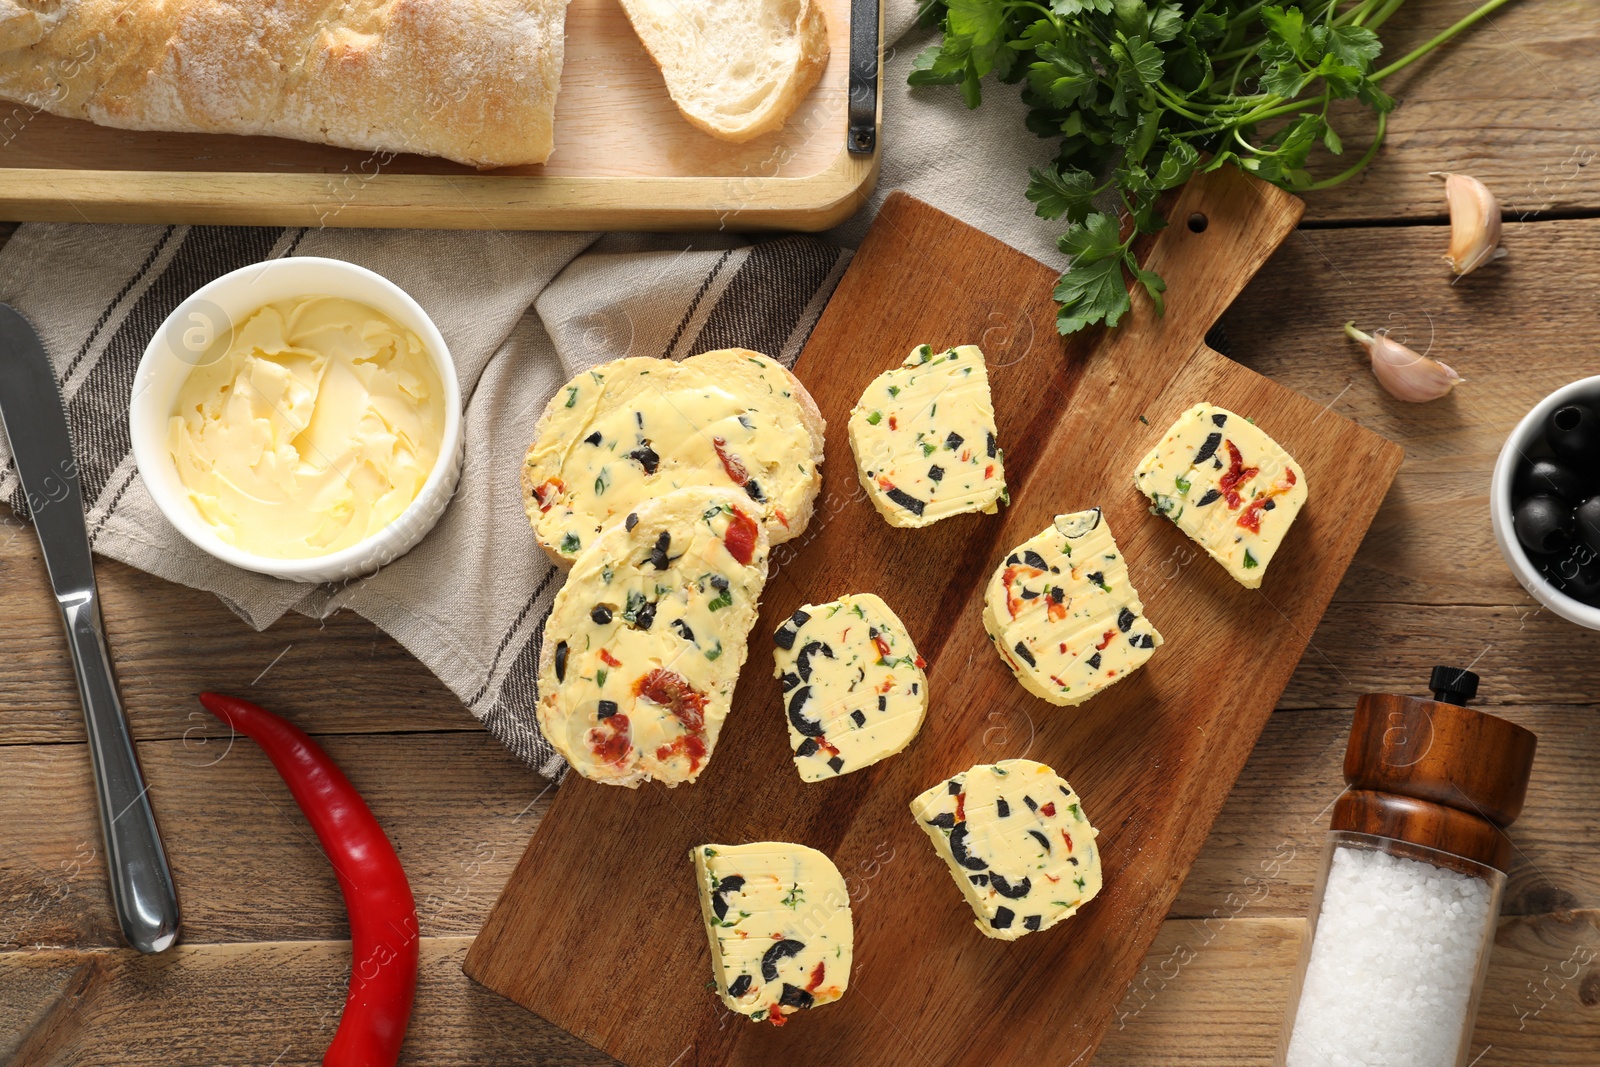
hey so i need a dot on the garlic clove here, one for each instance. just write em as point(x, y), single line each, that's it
point(1406, 375)
point(1474, 223)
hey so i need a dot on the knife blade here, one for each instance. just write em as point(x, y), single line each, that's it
point(41, 447)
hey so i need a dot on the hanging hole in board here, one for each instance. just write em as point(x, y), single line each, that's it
point(1198, 223)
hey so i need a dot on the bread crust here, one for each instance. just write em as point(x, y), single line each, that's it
point(810, 415)
point(812, 30)
point(471, 80)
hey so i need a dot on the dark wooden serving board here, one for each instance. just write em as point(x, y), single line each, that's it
point(599, 928)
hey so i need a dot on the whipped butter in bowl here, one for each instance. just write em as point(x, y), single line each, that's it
point(299, 417)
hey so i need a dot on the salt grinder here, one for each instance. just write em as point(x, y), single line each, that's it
point(1398, 938)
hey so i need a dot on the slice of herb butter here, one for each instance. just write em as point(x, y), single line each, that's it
point(1016, 841)
point(778, 919)
point(924, 438)
point(1227, 485)
point(1063, 614)
point(646, 638)
point(853, 685)
point(628, 430)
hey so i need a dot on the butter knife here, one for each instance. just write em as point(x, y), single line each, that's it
point(41, 446)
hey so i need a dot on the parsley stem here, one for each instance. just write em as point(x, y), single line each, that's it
point(1360, 164)
point(1417, 53)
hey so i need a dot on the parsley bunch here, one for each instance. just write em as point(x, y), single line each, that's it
point(1142, 93)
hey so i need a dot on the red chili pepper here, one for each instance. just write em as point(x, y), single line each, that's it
point(740, 537)
point(1048, 810)
point(881, 645)
point(608, 659)
point(383, 913)
point(817, 973)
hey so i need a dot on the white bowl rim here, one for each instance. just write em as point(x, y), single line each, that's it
point(1505, 470)
point(352, 557)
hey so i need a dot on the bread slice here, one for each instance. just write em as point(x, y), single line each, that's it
point(632, 429)
point(735, 68)
point(470, 80)
point(644, 644)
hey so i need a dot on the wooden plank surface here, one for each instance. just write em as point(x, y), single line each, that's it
point(1427, 583)
point(1073, 418)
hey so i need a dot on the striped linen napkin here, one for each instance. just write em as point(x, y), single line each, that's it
point(521, 313)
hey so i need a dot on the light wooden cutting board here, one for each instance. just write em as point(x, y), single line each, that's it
point(599, 928)
point(624, 159)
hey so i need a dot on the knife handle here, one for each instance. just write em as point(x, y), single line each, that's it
point(141, 882)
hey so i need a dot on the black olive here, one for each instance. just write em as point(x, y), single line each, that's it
point(1007, 890)
point(606, 709)
point(802, 662)
point(1034, 560)
point(753, 489)
point(858, 717)
point(803, 726)
point(1575, 573)
point(1001, 808)
point(1574, 432)
point(740, 986)
point(561, 661)
point(1002, 918)
point(836, 763)
point(681, 628)
point(945, 820)
point(958, 849)
point(1588, 520)
point(1124, 620)
point(1550, 477)
point(1543, 524)
point(808, 747)
point(795, 997)
point(782, 950)
point(1208, 448)
point(719, 904)
point(601, 614)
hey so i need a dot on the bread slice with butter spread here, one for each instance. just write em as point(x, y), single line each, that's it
point(632, 429)
point(644, 643)
point(735, 68)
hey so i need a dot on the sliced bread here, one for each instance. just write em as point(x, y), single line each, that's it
point(735, 68)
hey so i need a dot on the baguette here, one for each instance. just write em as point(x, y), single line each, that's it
point(736, 68)
point(470, 80)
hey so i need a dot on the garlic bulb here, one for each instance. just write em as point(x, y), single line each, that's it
point(1406, 375)
point(1474, 223)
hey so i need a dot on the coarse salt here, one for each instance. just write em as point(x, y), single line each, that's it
point(1393, 965)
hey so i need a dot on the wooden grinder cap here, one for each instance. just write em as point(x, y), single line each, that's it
point(1435, 773)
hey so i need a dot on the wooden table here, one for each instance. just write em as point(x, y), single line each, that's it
point(259, 977)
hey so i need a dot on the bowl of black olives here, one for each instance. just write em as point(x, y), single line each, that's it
point(1545, 502)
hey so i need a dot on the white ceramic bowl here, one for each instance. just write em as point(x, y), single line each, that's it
point(193, 328)
point(1522, 443)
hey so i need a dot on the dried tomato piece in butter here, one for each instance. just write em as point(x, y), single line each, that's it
point(1063, 614)
point(1227, 485)
point(923, 435)
point(778, 919)
point(644, 644)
